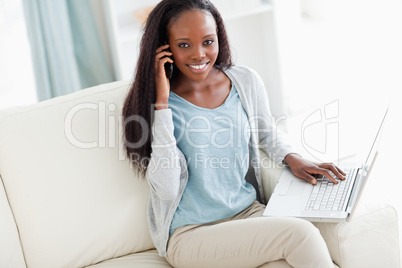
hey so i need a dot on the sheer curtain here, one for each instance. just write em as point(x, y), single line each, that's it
point(67, 51)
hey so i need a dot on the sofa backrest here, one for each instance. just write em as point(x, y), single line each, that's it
point(68, 185)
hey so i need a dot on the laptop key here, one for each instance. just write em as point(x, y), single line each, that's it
point(326, 195)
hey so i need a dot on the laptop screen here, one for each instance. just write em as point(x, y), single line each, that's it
point(364, 171)
point(374, 147)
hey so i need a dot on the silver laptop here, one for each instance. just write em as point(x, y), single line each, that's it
point(325, 201)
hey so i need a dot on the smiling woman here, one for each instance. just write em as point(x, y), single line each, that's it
point(203, 194)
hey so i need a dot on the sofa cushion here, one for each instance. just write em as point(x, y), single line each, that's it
point(10, 247)
point(369, 239)
point(270, 174)
point(151, 259)
point(146, 259)
point(73, 195)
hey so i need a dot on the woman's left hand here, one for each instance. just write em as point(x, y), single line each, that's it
point(305, 169)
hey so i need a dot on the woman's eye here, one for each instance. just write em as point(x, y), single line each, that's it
point(183, 45)
point(208, 42)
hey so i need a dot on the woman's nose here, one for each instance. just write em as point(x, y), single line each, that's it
point(198, 53)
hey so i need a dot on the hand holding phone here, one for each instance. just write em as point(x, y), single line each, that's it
point(169, 66)
point(163, 74)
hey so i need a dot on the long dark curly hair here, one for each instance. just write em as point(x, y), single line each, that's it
point(138, 106)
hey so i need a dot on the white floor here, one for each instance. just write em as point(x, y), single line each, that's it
point(348, 69)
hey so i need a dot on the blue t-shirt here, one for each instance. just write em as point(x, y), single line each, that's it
point(215, 144)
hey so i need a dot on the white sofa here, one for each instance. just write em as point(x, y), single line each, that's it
point(69, 198)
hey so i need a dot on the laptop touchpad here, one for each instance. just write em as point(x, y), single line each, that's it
point(283, 188)
point(284, 183)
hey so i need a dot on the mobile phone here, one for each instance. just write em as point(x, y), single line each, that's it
point(168, 67)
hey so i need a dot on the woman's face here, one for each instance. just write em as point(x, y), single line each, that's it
point(194, 43)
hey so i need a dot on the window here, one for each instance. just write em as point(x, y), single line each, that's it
point(17, 81)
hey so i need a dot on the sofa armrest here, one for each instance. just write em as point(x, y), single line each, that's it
point(270, 173)
point(11, 254)
point(369, 239)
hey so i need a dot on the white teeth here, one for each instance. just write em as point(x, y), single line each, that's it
point(198, 67)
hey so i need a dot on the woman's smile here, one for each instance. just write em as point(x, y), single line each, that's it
point(198, 67)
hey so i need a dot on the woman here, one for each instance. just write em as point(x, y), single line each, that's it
point(199, 123)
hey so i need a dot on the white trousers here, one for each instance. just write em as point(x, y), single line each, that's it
point(248, 240)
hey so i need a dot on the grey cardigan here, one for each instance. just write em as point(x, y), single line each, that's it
point(167, 171)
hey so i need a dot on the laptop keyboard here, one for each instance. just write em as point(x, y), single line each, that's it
point(328, 196)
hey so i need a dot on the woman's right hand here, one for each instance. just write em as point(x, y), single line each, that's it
point(162, 83)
